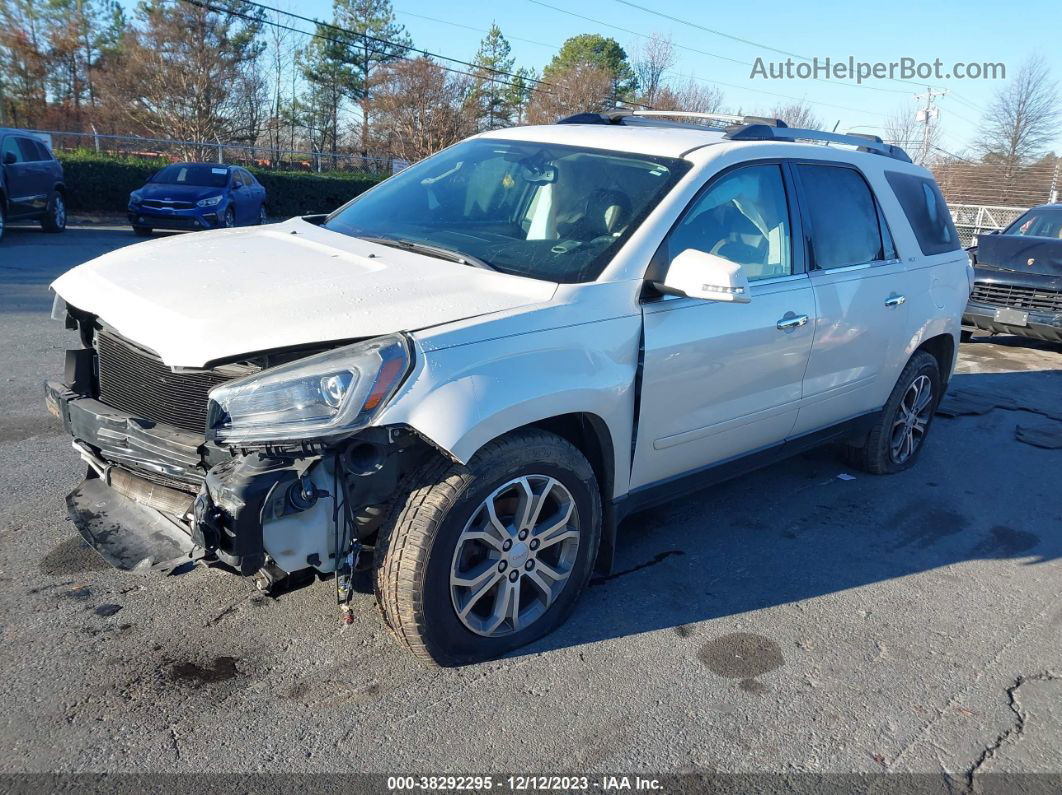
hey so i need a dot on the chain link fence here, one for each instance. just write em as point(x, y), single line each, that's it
point(976, 219)
point(221, 152)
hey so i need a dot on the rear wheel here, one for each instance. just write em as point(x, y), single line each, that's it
point(3, 217)
point(262, 215)
point(478, 560)
point(54, 219)
point(897, 439)
point(142, 231)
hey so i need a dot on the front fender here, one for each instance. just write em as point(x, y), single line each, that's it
point(462, 397)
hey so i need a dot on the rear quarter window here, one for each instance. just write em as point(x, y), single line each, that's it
point(926, 211)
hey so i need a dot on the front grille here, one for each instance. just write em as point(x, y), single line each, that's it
point(136, 381)
point(1029, 298)
point(157, 204)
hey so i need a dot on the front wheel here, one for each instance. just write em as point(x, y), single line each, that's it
point(481, 559)
point(229, 219)
point(54, 219)
point(899, 435)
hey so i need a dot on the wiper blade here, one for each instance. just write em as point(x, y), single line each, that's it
point(431, 250)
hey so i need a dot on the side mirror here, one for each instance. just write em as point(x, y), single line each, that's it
point(10, 159)
point(696, 274)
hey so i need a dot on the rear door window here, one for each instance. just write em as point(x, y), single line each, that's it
point(926, 211)
point(43, 153)
point(845, 223)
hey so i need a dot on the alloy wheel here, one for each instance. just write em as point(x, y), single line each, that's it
point(59, 212)
point(515, 555)
point(911, 420)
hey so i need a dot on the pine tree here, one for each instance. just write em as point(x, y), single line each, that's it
point(374, 39)
point(493, 88)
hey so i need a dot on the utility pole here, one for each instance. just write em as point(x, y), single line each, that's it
point(926, 116)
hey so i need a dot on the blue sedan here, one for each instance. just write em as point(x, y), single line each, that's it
point(197, 196)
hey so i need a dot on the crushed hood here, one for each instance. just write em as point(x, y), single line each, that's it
point(198, 298)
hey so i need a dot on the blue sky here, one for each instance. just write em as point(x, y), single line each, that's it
point(975, 31)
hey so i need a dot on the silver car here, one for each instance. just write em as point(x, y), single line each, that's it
point(465, 378)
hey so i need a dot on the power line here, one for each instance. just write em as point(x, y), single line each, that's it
point(399, 45)
point(374, 39)
point(760, 45)
point(475, 29)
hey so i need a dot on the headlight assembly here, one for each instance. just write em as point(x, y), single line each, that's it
point(211, 201)
point(329, 394)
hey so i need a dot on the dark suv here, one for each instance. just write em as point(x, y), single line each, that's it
point(31, 182)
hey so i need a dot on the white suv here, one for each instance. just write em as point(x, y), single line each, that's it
point(465, 378)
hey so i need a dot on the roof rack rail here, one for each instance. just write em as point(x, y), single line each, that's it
point(726, 120)
point(862, 142)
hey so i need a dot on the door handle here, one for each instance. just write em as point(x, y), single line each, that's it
point(791, 321)
point(895, 300)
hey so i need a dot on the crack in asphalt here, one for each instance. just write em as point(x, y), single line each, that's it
point(954, 699)
point(1016, 731)
point(175, 744)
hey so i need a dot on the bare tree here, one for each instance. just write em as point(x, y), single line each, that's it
point(182, 74)
point(653, 58)
point(418, 108)
point(582, 87)
point(796, 114)
point(691, 96)
point(903, 128)
point(1023, 118)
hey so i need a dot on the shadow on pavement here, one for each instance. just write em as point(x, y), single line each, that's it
point(796, 531)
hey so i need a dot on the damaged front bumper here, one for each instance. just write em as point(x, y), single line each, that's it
point(157, 496)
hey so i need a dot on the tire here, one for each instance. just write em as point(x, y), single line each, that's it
point(3, 218)
point(424, 546)
point(262, 219)
point(965, 335)
point(878, 455)
point(54, 219)
point(142, 231)
point(230, 219)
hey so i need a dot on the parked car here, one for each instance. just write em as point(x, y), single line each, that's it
point(465, 377)
point(197, 196)
point(1018, 278)
point(31, 182)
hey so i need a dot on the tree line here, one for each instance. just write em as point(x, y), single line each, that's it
point(236, 71)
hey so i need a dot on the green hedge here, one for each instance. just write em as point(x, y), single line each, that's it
point(101, 184)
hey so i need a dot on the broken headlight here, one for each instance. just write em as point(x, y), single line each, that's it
point(328, 394)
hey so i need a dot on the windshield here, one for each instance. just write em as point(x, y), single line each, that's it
point(1041, 222)
point(550, 212)
point(202, 176)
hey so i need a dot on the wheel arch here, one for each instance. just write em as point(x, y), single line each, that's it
point(942, 348)
point(589, 433)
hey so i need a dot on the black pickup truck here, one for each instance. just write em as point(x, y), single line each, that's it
point(1018, 278)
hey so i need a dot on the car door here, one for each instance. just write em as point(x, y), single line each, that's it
point(860, 294)
point(22, 188)
point(720, 380)
point(248, 198)
point(257, 193)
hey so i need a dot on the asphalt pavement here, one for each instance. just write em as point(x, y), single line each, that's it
point(790, 620)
